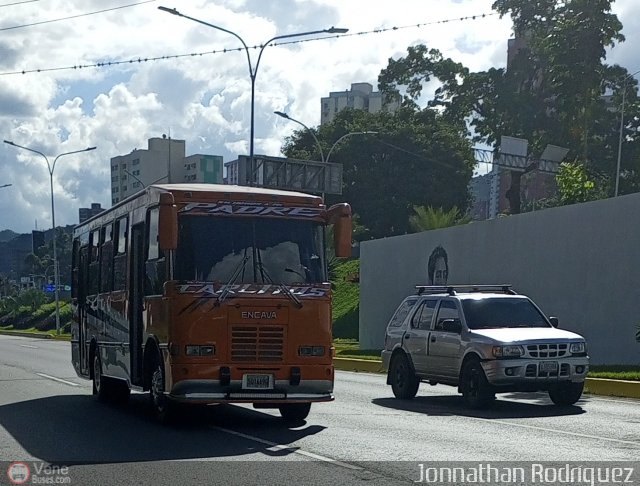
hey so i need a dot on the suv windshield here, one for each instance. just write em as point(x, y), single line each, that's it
point(289, 251)
point(490, 313)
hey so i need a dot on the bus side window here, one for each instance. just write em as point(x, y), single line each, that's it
point(120, 257)
point(75, 265)
point(83, 268)
point(94, 262)
point(155, 264)
point(106, 259)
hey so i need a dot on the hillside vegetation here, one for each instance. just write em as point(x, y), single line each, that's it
point(346, 299)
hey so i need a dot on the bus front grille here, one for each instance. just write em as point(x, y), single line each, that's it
point(257, 343)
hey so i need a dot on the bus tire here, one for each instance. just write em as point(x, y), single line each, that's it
point(294, 412)
point(161, 405)
point(100, 383)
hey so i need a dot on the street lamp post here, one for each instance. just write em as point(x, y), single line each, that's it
point(326, 160)
point(345, 136)
point(284, 115)
point(624, 97)
point(253, 71)
point(56, 269)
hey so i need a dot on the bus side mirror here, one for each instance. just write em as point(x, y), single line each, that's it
point(167, 223)
point(339, 215)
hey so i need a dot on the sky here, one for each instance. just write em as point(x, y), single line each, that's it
point(203, 98)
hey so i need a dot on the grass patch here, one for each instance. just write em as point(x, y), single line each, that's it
point(33, 330)
point(350, 348)
point(615, 372)
point(346, 299)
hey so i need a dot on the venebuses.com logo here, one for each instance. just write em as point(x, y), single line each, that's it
point(18, 473)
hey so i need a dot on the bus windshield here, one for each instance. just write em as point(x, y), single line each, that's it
point(282, 251)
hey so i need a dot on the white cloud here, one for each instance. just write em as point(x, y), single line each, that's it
point(202, 99)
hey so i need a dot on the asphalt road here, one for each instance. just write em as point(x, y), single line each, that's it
point(47, 414)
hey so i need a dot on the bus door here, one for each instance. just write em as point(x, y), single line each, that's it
point(82, 310)
point(136, 296)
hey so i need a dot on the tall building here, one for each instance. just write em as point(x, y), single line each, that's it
point(87, 213)
point(163, 162)
point(360, 97)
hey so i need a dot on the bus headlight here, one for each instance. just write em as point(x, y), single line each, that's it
point(311, 351)
point(196, 350)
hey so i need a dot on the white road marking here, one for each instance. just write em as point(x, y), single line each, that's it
point(280, 447)
point(28, 346)
point(49, 377)
point(563, 432)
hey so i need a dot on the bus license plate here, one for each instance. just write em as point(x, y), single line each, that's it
point(257, 382)
point(549, 366)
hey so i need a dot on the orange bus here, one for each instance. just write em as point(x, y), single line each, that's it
point(204, 293)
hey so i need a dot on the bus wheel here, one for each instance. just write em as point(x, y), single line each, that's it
point(100, 383)
point(160, 404)
point(294, 412)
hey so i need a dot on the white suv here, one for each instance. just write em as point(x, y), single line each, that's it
point(484, 340)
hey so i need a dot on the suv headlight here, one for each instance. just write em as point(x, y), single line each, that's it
point(511, 351)
point(578, 348)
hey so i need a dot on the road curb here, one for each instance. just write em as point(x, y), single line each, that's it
point(35, 335)
point(613, 388)
point(595, 386)
point(352, 364)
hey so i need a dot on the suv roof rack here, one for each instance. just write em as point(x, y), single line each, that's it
point(453, 289)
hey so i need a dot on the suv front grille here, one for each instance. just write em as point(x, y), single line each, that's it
point(257, 343)
point(551, 350)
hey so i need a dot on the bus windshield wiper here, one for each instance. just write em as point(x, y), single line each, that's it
point(224, 292)
point(285, 290)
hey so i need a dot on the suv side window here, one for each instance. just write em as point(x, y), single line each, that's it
point(424, 315)
point(401, 313)
point(447, 310)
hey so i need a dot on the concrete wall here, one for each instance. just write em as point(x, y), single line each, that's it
point(578, 262)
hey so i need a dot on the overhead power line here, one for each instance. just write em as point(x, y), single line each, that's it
point(18, 3)
point(139, 60)
point(74, 16)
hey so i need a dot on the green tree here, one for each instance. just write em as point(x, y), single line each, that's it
point(575, 185)
point(430, 218)
point(415, 160)
point(551, 93)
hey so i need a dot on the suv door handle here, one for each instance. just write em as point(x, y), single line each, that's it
point(433, 339)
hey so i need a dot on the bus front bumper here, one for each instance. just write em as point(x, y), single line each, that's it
point(212, 391)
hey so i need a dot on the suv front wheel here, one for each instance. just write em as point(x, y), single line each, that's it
point(404, 382)
point(475, 388)
point(566, 394)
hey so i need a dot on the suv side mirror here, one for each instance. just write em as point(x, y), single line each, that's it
point(553, 321)
point(452, 325)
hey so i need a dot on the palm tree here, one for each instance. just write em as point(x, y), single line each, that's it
point(428, 218)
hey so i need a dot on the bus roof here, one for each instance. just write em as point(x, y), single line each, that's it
point(206, 189)
point(228, 188)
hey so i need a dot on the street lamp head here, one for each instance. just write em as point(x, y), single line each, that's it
point(336, 30)
point(9, 142)
point(169, 10)
point(282, 114)
point(89, 148)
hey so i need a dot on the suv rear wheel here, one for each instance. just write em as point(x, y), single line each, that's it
point(567, 394)
point(475, 388)
point(404, 382)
